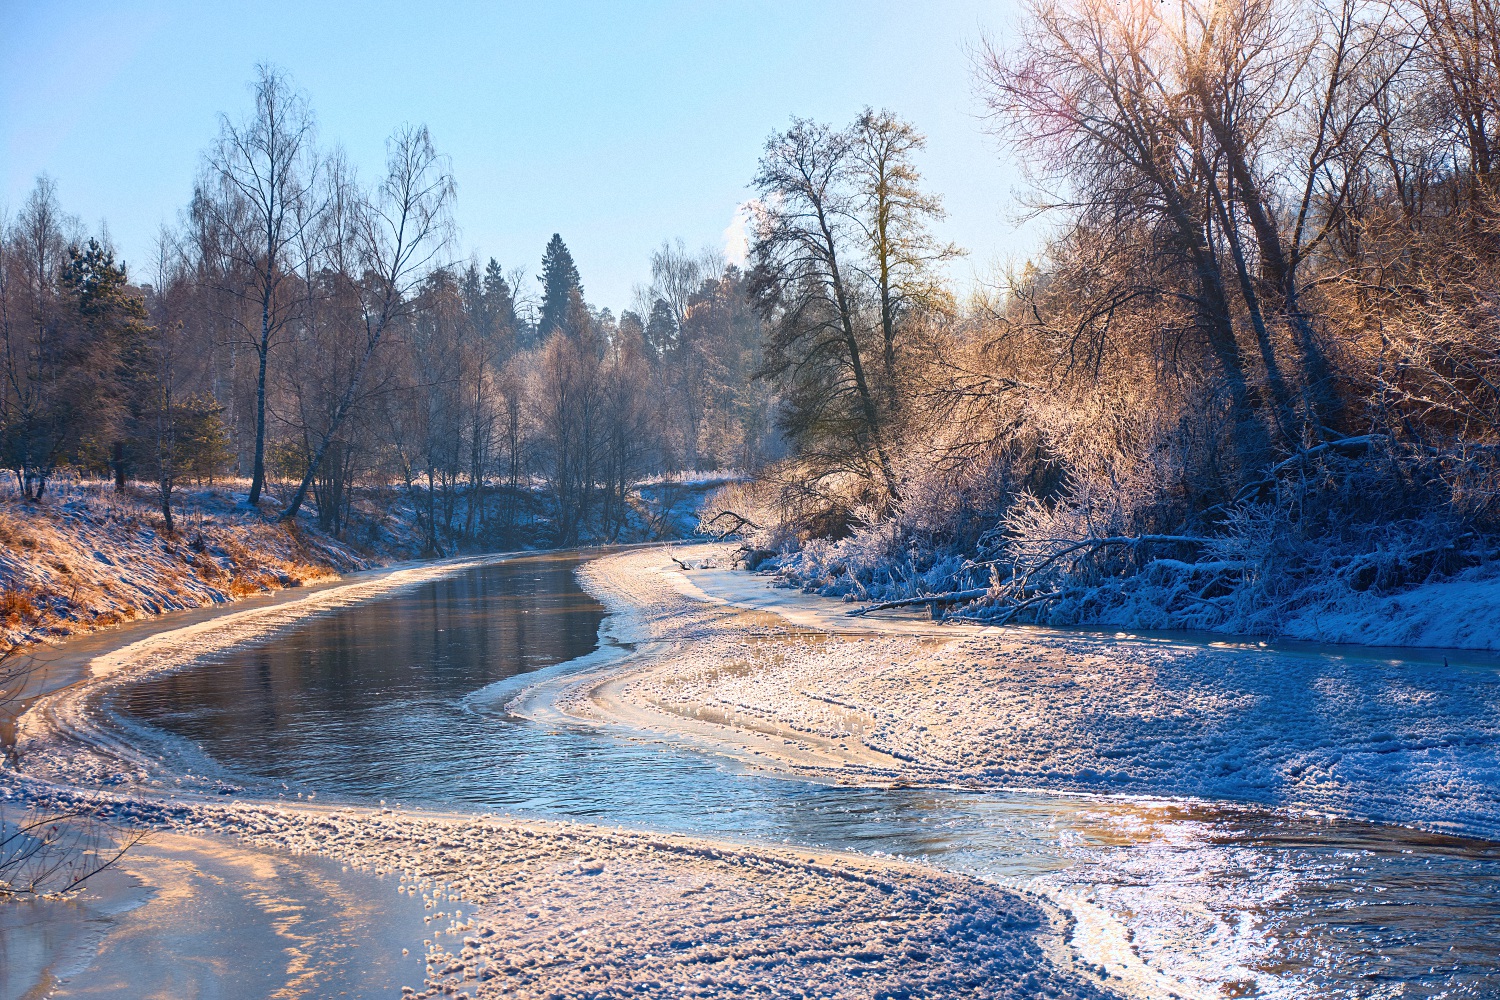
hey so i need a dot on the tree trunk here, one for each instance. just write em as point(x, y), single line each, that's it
point(861, 385)
point(1280, 397)
point(258, 467)
point(117, 459)
point(166, 505)
point(1278, 271)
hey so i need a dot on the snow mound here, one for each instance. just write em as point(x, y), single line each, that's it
point(1458, 614)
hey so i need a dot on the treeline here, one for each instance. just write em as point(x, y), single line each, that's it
point(311, 332)
point(1258, 360)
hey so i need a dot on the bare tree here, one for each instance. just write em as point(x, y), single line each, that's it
point(163, 400)
point(1091, 94)
point(676, 275)
point(253, 206)
point(803, 252)
point(400, 234)
point(894, 215)
point(33, 251)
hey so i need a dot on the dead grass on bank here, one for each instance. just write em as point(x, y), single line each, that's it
point(90, 559)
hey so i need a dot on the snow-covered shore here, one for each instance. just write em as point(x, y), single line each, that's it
point(526, 908)
point(532, 909)
point(1363, 737)
point(90, 559)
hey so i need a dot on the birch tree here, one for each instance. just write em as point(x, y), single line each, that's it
point(399, 234)
point(253, 205)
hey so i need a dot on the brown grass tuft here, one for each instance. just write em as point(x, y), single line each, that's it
point(17, 607)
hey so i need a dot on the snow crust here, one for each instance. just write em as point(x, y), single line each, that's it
point(536, 909)
point(530, 909)
point(1463, 613)
point(1361, 736)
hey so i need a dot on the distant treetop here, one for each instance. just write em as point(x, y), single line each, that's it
point(560, 281)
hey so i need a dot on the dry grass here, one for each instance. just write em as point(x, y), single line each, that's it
point(17, 608)
point(89, 559)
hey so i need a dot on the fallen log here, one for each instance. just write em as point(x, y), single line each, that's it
point(1069, 547)
point(953, 597)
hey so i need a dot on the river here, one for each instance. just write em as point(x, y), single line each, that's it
point(379, 701)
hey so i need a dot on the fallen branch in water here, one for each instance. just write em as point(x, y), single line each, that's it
point(54, 854)
point(952, 597)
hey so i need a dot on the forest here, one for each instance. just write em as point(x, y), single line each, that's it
point(1254, 369)
point(1253, 373)
point(312, 334)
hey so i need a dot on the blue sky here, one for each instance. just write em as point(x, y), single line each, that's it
point(615, 124)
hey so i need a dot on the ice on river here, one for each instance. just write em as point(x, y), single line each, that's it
point(534, 909)
point(1347, 732)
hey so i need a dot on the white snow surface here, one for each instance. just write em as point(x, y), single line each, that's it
point(541, 909)
point(532, 909)
point(1343, 732)
point(1463, 613)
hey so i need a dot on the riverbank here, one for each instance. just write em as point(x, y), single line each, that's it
point(90, 558)
point(525, 908)
point(87, 558)
point(777, 676)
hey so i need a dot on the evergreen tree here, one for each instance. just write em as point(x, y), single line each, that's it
point(500, 302)
point(560, 281)
point(661, 329)
point(100, 366)
point(471, 288)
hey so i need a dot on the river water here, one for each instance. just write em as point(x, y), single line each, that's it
point(377, 702)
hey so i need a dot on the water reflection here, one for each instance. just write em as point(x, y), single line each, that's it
point(370, 702)
point(362, 700)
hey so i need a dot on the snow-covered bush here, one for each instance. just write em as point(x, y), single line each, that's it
point(832, 540)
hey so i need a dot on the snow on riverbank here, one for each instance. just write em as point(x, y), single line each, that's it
point(1258, 594)
point(1463, 613)
point(530, 909)
point(1360, 736)
point(534, 909)
point(90, 558)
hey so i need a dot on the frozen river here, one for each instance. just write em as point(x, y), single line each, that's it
point(377, 701)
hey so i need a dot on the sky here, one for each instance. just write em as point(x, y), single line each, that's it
point(617, 125)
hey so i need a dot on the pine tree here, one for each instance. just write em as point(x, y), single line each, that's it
point(471, 290)
point(661, 329)
point(559, 280)
point(102, 360)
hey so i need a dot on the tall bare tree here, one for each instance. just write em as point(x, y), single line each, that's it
point(400, 234)
point(253, 205)
point(804, 255)
point(1092, 94)
point(33, 251)
point(895, 215)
